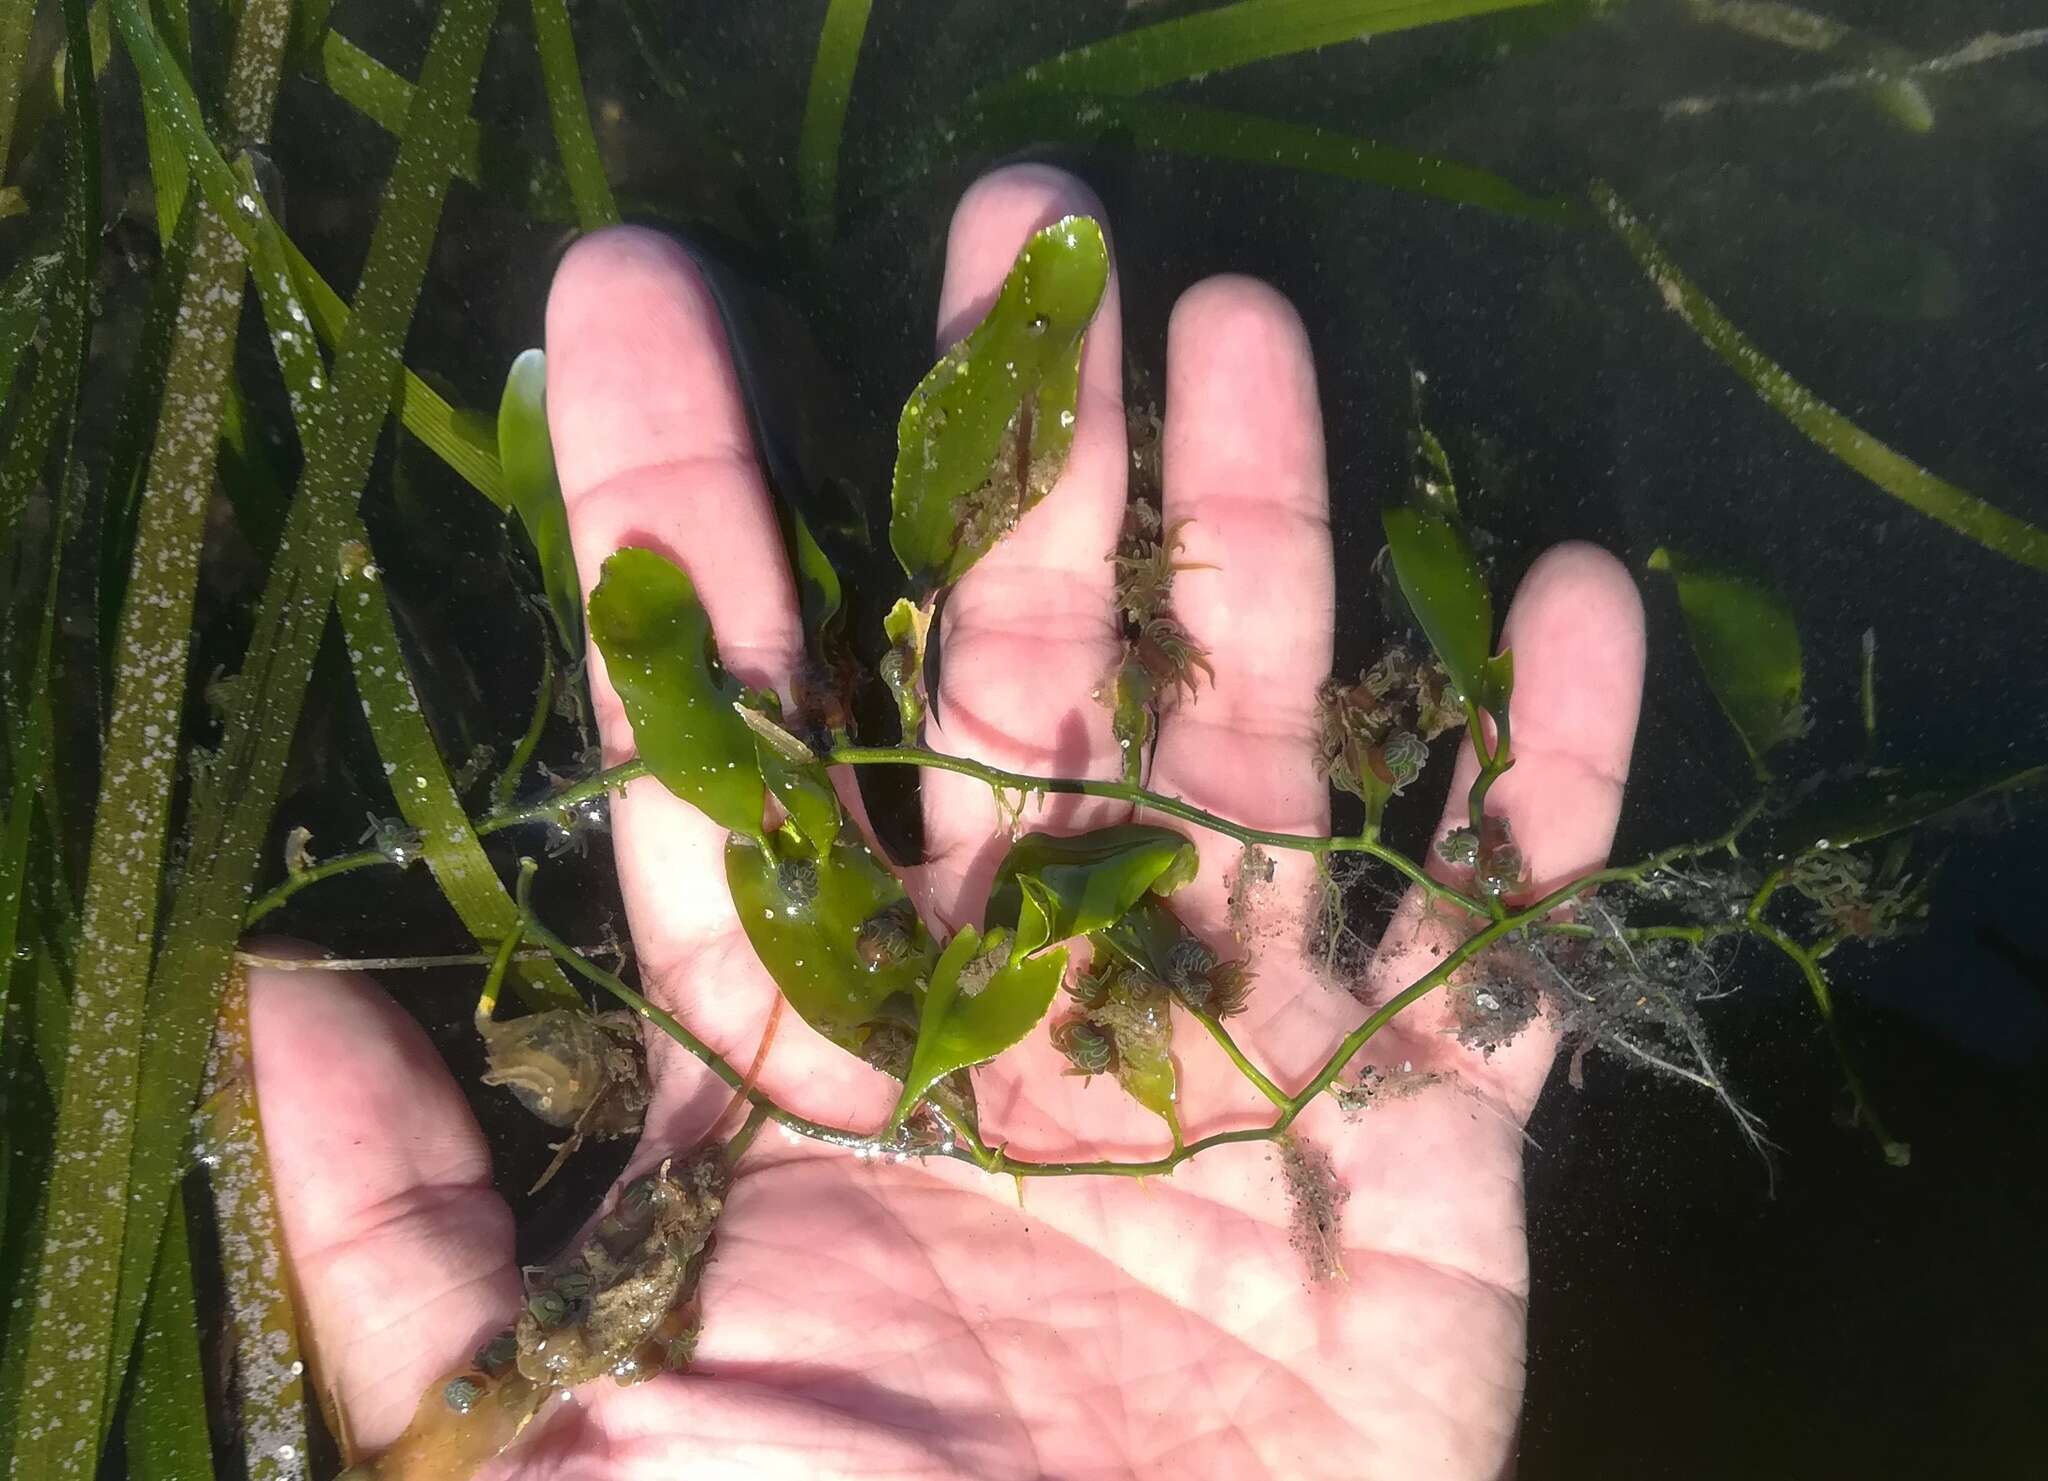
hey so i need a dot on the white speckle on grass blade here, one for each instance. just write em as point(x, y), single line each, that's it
point(269, 1384)
point(1898, 475)
point(427, 800)
point(96, 1269)
point(78, 1330)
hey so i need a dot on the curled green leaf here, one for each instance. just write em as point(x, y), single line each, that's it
point(814, 920)
point(906, 627)
point(796, 776)
point(1444, 587)
point(1748, 644)
point(983, 998)
point(656, 642)
point(985, 434)
point(818, 591)
point(527, 455)
point(1050, 888)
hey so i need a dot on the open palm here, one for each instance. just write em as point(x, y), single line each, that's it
point(920, 1318)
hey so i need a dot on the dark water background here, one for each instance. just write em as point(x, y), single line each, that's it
point(1862, 1321)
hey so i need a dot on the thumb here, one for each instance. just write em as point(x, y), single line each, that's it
point(400, 1251)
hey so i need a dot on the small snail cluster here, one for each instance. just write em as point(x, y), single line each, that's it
point(1376, 732)
point(623, 1304)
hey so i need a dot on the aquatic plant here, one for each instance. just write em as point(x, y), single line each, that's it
point(122, 895)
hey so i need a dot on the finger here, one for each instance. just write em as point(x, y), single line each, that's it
point(1030, 635)
point(400, 1250)
point(653, 449)
point(1246, 496)
point(1576, 630)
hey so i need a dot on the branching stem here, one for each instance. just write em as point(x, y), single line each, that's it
point(1172, 807)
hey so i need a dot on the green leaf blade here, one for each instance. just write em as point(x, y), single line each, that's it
point(419, 778)
point(1879, 804)
point(803, 915)
point(1051, 888)
point(1748, 644)
point(656, 640)
point(292, 614)
point(1228, 36)
point(1448, 595)
point(1170, 126)
point(527, 455)
point(985, 435)
point(968, 1022)
point(824, 122)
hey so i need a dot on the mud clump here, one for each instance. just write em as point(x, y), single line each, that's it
point(1317, 1202)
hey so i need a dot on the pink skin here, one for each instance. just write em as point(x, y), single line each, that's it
point(921, 1319)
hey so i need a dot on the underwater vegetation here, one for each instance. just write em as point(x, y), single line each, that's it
point(180, 380)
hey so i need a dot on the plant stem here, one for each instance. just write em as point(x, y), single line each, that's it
point(967, 1148)
point(667, 1022)
point(1172, 807)
point(522, 754)
point(736, 1146)
point(385, 963)
point(1239, 1058)
point(325, 869)
point(1897, 1153)
point(551, 808)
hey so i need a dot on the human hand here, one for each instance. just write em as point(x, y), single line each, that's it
point(923, 1318)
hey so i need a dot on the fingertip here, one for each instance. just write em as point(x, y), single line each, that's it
point(342, 1072)
point(639, 373)
point(654, 448)
point(1236, 307)
point(994, 218)
point(1243, 414)
point(1576, 627)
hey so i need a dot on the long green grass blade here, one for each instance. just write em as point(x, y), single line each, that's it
point(385, 97)
point(1896, 474)
point(47, 412)
point(22, 297)
point(464, 440)
point(497, 165)
point(42, 443)
point(817, 155)
point(228, 831)
point(419, 780)
point(142, 399)
point(563, 80)
point(165, 1422)
point(44, 427)
point(40, 1018)
point(17, 18)
point(270, 1388)
point(73, 1330)
point(293, 611)
point(1215, 133)
point(1232, 36)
